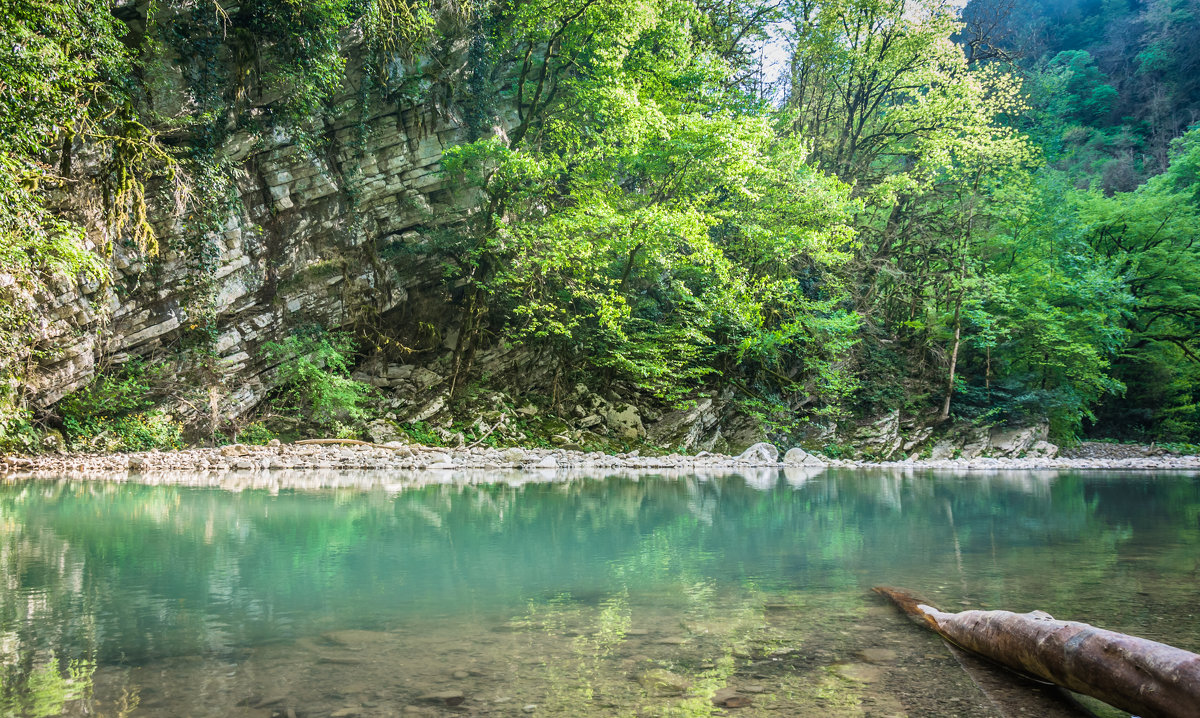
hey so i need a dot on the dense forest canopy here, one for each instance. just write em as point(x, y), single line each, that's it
point(987, 215)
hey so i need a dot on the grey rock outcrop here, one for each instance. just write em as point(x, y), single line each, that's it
point(304, 241)
point(625, 421)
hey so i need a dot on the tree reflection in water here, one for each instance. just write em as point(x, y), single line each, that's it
point(197, 592)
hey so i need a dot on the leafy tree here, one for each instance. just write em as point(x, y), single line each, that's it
point(892, 106)
point(638, 216)
point(313, 368)
point(1153, 235)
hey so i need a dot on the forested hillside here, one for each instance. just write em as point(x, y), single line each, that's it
point(986, 217)
point(1114, 89)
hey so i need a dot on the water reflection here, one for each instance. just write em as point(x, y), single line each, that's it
point(192, 593)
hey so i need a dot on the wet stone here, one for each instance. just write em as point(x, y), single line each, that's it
point(877, 655)
point(660, 681)
point(449, 698)
point(859, 672)
point(730, 698)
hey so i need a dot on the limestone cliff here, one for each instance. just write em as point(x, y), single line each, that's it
point(329, 234)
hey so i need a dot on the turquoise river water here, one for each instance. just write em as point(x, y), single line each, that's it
point(372, 595)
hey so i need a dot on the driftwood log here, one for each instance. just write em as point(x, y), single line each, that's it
point(1146, 678)
point(1015, 695)
point(344, 442)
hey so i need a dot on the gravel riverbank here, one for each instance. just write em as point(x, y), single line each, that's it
point(301, 456)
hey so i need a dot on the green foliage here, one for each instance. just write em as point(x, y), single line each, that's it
point(879, 234)
point(301, 40)
point(639, 218)
point(1150, 235)
point(46, 690)
point(116, 412)
point(18, 434)
point(421, 433)
point(255, 433)
point(313, 368)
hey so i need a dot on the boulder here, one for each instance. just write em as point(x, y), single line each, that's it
point(800, 457)
point(1042, 450)
point(399, 372)
point(424, 378)
point(625, 421)
point(880, 438)
point(1013, 442)
point(382, 432)
point(234, 450)
point(589, 421)
point(760, 453)
point(438, 457)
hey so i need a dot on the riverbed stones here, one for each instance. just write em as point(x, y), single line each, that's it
point(877, 655)
point(730, 698)
point(859, 672)
point(755, 465)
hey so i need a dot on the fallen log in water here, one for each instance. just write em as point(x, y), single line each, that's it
point(1149, 679)
point(1015, 695)
point(343, 442)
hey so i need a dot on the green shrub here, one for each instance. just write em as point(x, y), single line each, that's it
point(255, 433)
point(314, 369)
point(18, 434)
point(421, 433)
point(136, 432)
point(116, 413)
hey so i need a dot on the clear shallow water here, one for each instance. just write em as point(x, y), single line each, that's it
point(386, 595)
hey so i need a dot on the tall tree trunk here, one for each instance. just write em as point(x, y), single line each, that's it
point(953, 355)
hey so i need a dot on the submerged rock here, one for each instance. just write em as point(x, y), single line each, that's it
point(449, 698)
point(660, 681)
point(730, 698)
point(877, 655)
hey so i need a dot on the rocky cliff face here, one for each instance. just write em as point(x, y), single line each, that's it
point(328, 236)
point(333, 224)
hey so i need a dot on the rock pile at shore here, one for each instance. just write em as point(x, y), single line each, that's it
point(396, 456)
